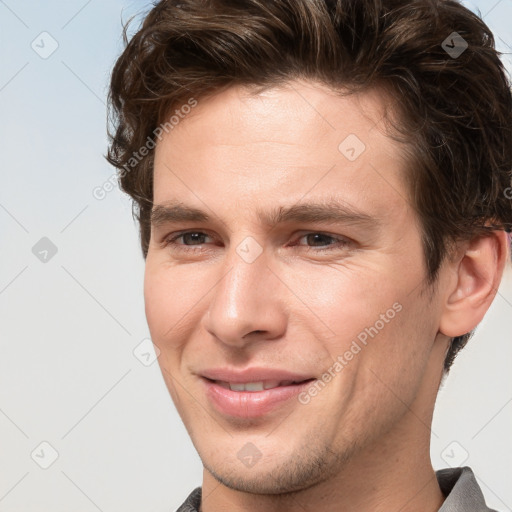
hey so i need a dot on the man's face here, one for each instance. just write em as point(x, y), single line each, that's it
point(295, 296)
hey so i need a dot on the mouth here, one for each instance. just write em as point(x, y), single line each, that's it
point(257, 386)
point(253, 399)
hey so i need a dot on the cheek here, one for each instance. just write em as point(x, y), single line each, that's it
point(382, 330)
point(174, 301)
point(347, 302)
point(396, 359)
point(156, 303)
point(168, 324)
point(381, 382)
point(163, 301)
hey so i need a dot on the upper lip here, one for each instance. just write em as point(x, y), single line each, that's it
point(252, 375)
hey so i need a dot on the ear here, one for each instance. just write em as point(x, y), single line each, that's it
point(474, 283)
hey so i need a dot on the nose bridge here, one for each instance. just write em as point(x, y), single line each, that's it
point(241, 301)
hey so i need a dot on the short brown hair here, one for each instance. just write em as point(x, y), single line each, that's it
point(456, 110)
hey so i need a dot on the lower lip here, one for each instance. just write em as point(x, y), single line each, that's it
point(250, 404)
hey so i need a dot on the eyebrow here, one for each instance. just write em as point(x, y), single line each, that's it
point(326, 211)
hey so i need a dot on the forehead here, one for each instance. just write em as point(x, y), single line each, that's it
point(302, 139)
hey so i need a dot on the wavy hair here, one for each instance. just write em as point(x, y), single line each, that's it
point(455, 111)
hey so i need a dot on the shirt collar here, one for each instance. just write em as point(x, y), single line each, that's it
point(463, 494)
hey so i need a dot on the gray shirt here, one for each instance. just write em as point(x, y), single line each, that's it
point(459, 486)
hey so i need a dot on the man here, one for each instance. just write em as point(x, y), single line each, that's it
point(321, 188)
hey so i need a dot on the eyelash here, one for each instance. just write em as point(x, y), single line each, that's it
point(341, 242)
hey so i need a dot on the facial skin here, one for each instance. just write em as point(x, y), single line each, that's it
point(362, 443)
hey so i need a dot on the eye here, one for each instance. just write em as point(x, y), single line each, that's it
point(194, 236)
point(322, 241)
point(318, 237)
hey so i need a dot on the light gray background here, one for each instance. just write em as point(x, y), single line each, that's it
point(68, 375)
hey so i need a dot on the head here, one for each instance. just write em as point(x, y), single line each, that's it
point(245, 110)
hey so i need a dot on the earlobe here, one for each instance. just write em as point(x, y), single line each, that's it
point(475, 283)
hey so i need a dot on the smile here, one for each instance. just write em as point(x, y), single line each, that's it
point(254, 386)
point(253, 399)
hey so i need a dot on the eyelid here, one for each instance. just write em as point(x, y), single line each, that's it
point(339, 243)
point(172, 237)
point(340, 240)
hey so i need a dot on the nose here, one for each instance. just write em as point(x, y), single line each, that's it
point(245, 304)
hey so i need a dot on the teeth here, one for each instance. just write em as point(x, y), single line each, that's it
point(249, 386)
point(272, 384)
point(238, 387)
point(254, 386)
